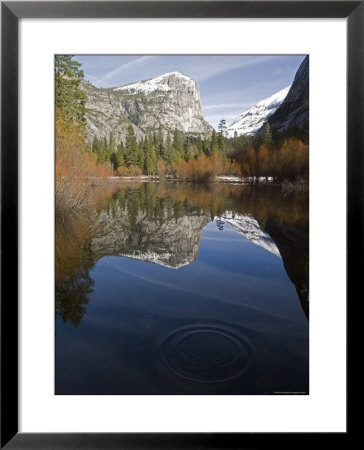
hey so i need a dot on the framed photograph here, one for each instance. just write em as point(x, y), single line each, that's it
point(170, 273)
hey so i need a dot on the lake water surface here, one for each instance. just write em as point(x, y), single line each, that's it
point(177, 288)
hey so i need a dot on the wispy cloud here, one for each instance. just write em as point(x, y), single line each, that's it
point(92, 79)
point(218, 65)
point(215, 118)
point(254, 92)
point(127, 67)
point(199, 68)
point(283, 71)
point(226, 105)
point(250, 282)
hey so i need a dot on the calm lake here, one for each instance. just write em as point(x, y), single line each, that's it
point(178, 288)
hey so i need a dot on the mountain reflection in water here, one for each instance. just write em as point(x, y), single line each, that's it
point(180, 226)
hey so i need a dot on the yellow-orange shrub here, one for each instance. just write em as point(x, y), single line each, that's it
point(77, 169)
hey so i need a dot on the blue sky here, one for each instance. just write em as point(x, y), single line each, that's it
point(229, 84)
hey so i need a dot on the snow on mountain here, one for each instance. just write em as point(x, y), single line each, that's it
point(163, 259)
point(248, 227)
point(250, 121)
point(161, 83)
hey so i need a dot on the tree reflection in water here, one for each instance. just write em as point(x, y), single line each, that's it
point(74, 260)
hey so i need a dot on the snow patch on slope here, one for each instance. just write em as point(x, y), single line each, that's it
point(251, 120)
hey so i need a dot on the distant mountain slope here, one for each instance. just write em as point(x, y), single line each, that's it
point(251, 120)
point(171, 101)
point(294, 110)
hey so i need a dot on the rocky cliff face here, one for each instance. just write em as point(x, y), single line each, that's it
point(293, 112)
point(105, 115)
point(171, 242)
point(171, 101)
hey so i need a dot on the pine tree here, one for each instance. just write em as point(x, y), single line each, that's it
point(267, 136)
point(102, 154)
point(141, 158)
point(169, 151)
point(205, 147)
point(177, 140)
point(159, 144)
point(95, 145)
point(70, 99)
point(155, 139)
point(111, 144)
point(113, 161)
point(220, 142)
point(150, 160)
point(221, 135)
point(235, 139)
point(189, 154)
point(213, 143)
point(117, 156)
point(131, 148)
point(120, 160)
point(222, 127)
point(105, 144)
point(199, 145)
point(185, 149)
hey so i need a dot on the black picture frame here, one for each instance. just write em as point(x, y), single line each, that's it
point(11, 12)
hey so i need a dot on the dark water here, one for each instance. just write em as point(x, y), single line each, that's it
point(184, 289)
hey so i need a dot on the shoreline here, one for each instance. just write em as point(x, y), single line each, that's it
point(217, 179)
point(286, 185)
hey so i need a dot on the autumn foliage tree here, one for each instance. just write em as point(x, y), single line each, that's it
point(289, 161)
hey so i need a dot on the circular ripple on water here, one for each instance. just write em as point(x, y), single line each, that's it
point(207, 353)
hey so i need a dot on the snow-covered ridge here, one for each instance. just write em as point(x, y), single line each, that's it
point(251, 120)
point(160, 83)
point(155, 258)
point(248, 227)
